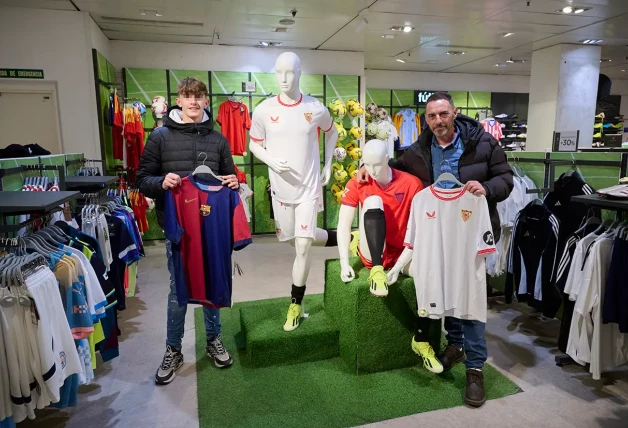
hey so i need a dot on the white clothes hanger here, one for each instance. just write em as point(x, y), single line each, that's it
point(447, 176)
point(204, 169)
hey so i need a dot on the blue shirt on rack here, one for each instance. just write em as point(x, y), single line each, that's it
point(446, 159)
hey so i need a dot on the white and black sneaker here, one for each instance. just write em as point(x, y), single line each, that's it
point(216, 350)
point(173, 360)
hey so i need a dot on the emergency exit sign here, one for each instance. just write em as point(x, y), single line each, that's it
point(21, 73)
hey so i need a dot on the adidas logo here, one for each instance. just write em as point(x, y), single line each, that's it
point(527, 233)
point(558, 204)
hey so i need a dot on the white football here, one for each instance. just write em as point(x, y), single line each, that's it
point(340, 154)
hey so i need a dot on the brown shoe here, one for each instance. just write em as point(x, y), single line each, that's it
point(474, 395)
point(450, 356)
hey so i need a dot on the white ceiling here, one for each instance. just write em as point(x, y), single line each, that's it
point(473, 26)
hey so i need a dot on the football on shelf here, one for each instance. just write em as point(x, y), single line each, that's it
point(355, 154)
point(353, 169)
point(382, 114)
point(371, 108)
point(356, 109)
point(368, 117)
point(336, 167)
point(339, 111)
point(340, 154)
point(350, 104)
point(382, 134)
point(337, 190)
point(356, 132)
point(371, 129)
point(159, 107)
point(341, 176)
point(335, 102)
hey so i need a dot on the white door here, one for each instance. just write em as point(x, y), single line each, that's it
point(29, 118)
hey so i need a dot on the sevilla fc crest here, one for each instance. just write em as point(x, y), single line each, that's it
point(308, 117)
point(466, 215)
point(205, 210)
point(399, 197)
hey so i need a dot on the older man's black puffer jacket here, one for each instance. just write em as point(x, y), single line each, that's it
point(482, 160)
point(177, 147)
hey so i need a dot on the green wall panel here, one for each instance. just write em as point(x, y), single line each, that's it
point(145, 84)
point(381, 97)
point(343, 87)
point(403, 98)
point(263, 222)
point(225, 82)
point(15, 181)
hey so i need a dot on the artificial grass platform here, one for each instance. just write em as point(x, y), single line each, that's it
point(268, 344)
point(324, 393)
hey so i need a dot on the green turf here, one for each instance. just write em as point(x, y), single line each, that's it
point(318, 394)
point(375, 333)
point(268, 344)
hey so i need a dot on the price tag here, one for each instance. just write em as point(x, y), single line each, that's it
point(249, 87)
point(566, 141)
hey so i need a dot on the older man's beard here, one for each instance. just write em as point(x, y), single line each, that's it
point(440, 132)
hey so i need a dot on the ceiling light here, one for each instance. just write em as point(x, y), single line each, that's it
point(266, 44)
point(567, 9)
point(263, 43)
point(591, 41)
point(507, 34)
point(455, 52)
point(579, 10)
point(496, 65)
point(388, 36)
point(287, 21)
point(510, 61)
point(142, 13)
point(400, 60)
point(623, 71)
point(404, 28)
point(606, 60)
point(158, 14)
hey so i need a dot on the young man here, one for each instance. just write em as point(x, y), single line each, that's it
point(172, 152)
point(458, 144)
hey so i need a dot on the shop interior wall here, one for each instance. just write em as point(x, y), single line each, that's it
point(145, 84)
point(59, 42)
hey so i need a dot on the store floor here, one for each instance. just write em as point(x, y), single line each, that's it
point(520, 345)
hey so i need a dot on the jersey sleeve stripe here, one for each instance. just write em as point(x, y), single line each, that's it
point(330, 126)
point(405, 244)
point(486, 251)
point(257, 140)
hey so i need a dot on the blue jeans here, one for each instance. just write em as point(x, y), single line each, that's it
point(468, 334)
point(176, 314)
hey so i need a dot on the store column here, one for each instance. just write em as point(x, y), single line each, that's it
point(563, 92)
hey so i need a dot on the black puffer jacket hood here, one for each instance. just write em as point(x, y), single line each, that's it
point(204, 127)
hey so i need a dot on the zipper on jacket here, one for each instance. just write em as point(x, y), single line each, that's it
point(195, 156)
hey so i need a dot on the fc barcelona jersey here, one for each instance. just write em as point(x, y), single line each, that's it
point(205, 222)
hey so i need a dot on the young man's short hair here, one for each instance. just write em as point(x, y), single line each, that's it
point(191, 86)
point(437, 96)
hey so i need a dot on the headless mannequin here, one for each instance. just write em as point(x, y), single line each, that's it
point(375, 158)
point(288, 73)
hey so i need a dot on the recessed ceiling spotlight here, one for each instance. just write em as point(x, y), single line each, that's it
point(510, 61)
point(579, 10)
point(567, 9)
point(507, 34)
point(572, 9)
point(267, 44)
point(400, 60)
point(455, 52)
point(388, 36)
point(623, 71)
point(606, 60)
point(591, 41)
point(405, 28)
point(496, 65)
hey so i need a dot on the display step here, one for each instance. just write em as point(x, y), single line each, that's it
point(267, 344)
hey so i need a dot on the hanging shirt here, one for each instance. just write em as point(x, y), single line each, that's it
point(234, 120)
point(205, 222)
point(245, 194)
point(408, 127)
point(290, 132)
point(117, 129)
point(446, 159)
point(493, 127)
point(450, 233)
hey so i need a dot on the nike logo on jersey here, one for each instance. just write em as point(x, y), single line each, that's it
point(187, 201)
point(274, 119)
point(432, 215)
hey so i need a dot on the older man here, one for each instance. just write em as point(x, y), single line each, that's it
point(458, 144)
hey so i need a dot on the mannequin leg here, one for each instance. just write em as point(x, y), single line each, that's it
point(323, 238)
point(302, 261)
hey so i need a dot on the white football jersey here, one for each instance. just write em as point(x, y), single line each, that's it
point(290, 132)
point(450, 233)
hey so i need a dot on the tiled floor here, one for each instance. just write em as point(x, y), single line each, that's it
point(520, 345)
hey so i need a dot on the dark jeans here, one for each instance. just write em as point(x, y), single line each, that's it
point(176, 314)
point(468, 334)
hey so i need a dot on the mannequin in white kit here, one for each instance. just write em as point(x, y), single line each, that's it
point(284, 135)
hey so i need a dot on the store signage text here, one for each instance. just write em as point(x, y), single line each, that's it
point(421, 97)
point(18, 73)
point(566, 141)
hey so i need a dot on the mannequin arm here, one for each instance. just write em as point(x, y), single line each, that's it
point(343, 234)
point(404, 259)
point(277, 165)
point(331, 138)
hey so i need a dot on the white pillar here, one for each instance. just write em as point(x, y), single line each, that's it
point(563, 93)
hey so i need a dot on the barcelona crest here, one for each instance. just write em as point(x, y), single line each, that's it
point(308, 117)
point(205, 210)
point(466, 215)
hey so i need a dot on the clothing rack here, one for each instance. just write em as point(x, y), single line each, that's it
point(83, 161)
point(130, 99)
point(551, 164)
point(35, 167)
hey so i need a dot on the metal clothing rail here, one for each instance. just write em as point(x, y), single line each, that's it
point(36, 167)
point(551, 164)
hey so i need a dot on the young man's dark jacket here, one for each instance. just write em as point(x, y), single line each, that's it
point(175, 148)
point(482, 160)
